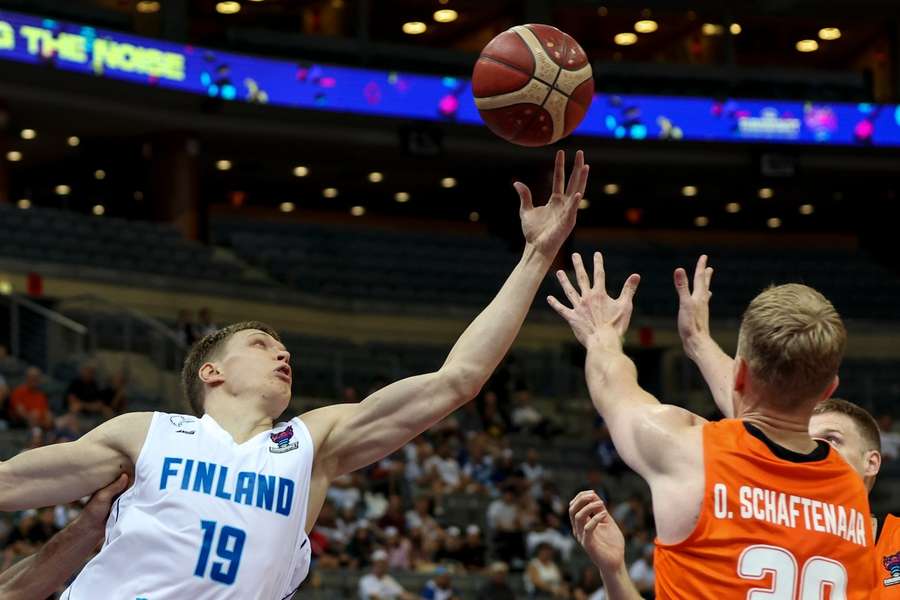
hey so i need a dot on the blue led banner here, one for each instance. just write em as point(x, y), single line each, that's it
point(242, 78)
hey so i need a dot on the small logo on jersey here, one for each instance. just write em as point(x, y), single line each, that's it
point(282, 441)
point(180, 421)
point(892, 564)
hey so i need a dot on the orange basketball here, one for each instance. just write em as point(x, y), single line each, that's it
point(532, 85)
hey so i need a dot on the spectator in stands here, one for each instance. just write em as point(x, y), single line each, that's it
point(452, 548)
point(443, 470)
point(346, 523)
point(185, 328)
point(205, 324)
point(492, 419)
point(426, 528)
point(416, 454)
point(83, 394)
point(28, 404)
point(344, 490)
point(504, 521)
point(496, 587)
point(548, 532)
point(440, 587)
point(361, 545)
point(469, 419)
point(475, 555)
point(604, 448)
point(596, 483)
point(630, 515)
point(550, 503)
point(398, 548)
point(534, 472)
point(394, 515)
point(589, 586)
point(378, 584)
point(478, 465)
point(890, 439)
point(525, 417)
point(114, 394)
point(642, 572)
point(505, 471)
point(8, 362)
point(544, 577)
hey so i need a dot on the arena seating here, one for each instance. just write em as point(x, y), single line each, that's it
point(453, 269)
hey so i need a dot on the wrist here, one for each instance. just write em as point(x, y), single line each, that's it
point(534, 254)
point(697, 344)
point(605, 339)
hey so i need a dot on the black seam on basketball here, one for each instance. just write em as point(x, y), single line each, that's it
point(506, 64)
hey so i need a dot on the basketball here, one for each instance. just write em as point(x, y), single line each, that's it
point(532, 85)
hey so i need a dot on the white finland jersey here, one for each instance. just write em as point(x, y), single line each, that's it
point(207, 518)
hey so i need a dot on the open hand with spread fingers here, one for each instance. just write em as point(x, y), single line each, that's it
point(693, 305)
point(547, 227)
point(595, 316)
point(597, 532)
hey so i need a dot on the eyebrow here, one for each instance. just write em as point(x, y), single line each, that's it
point(832, 431)
point(266, 337)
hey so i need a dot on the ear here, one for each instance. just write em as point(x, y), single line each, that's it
point(872, 463)
point(829, 391)
point(741, 371)
point(210, 374)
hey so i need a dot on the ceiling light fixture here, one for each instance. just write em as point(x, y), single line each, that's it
point(414, 27)
point(625, 39)
point(445, 15)
point(646, 26)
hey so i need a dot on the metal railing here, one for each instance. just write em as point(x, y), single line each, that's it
point(39, 335)
point(148, 347)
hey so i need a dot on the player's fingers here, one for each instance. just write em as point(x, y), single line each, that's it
point(599, 272)
point(585, 172)
point(681, 284)
point(630, 287)
point(584, 283)
point(576, 175)
point(525, 203)
point(700, 273)
point(561, 309)
point(595, 521)
point(581, 499)
point(588, 511)
point(559, 173)
point(571, 294)
point(113, 489)
point(709, 274)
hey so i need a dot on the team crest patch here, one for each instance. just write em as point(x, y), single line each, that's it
point(892, 564)
point(282, 440)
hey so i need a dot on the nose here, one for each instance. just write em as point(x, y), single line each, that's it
point(284, 355)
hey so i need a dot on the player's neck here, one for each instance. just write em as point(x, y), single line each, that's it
point(789, 431)
point(238, 419)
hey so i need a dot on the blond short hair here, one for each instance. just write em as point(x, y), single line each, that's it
point(793, 340)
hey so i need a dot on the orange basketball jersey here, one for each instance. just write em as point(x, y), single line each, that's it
point(887, 555)
point(773, 524)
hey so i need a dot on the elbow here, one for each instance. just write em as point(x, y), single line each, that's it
point(464, 383)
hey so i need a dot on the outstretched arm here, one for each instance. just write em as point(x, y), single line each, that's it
point(44, 572)
point(647, 435)
point(355, 435)
point(604, 543)
point(716, 367)
point(65, 472)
